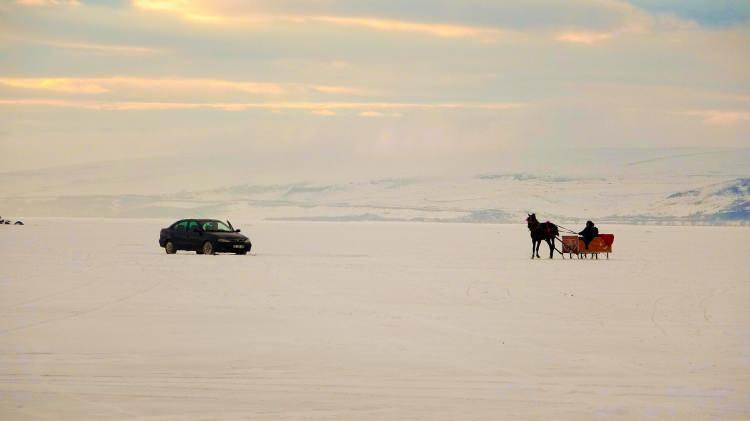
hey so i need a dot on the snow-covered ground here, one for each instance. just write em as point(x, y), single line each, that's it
point(371, 321)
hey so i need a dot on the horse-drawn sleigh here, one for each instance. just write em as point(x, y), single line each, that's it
point(571, 244)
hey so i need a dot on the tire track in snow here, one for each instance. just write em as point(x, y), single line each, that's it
point(653, 315)
point(83, 312)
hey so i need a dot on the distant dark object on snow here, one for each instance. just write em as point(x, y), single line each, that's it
point(8, 222)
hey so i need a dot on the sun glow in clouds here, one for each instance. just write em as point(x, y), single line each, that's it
point(201, 13)
point(183, 8)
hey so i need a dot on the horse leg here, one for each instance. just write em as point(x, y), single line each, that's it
point(533, 244)
point(538, 244)
point(551, 248)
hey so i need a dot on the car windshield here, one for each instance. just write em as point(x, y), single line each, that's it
point(215, 226)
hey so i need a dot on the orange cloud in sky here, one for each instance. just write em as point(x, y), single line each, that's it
point(112, 84)
point(391, 25)
point(48, 2)
point(179, 7)
point(197, 84)
point(201, 12)
point(208, 12)
point(721, 117)
point(343, 90)
point(231, 106)
point(378, 114)
point(583, 37)
point(86, 46)
point(166, 86)
point(99, 48)
point(55, 84)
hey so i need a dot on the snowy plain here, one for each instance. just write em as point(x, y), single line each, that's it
point(371, 320)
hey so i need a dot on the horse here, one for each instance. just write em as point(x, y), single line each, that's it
point(546, 231)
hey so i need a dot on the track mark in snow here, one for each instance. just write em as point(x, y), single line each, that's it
point(52, 295)
point(653, 316)
point(468, 289)
point(82, 312)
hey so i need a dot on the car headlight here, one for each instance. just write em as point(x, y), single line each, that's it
point(224, 240)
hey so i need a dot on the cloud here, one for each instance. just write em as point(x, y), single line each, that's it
point(184, 9)
point(198, 84)
point(127, 84)
point(201, 13)
point(98, 48)
point(48, 2)
point(371, 114)
point(587, 38)
point(588, 22)
point(326, 113)
point(378, 114)
point(55, 84)
point(240, 106)
point(339, 90)
point(721, 117)
point(393, 25)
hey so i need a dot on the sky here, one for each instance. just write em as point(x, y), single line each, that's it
point(307, 88)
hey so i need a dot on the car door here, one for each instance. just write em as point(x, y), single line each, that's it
point(177, 234)
point(193, 236)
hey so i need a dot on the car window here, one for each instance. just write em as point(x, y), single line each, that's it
point(215, 226)
point(192, 225)
point(180, 226)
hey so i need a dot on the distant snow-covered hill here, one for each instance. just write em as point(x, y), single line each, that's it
point(481, 199)
point(727, 201)
point(665, 187)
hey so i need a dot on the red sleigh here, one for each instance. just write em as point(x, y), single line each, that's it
point(573, 244)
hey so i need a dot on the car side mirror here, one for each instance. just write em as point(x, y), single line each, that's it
point(237, 230)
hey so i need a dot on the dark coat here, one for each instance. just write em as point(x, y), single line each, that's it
point(588, 234)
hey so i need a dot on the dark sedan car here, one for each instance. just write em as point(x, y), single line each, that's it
point(204, 236)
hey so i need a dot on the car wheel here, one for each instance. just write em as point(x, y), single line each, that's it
point(207, 248)
point(241, 253)
point(169, 248)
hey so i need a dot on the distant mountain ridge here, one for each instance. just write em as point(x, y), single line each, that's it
point(675, 186)
point(728, 201)
point(500, 198)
